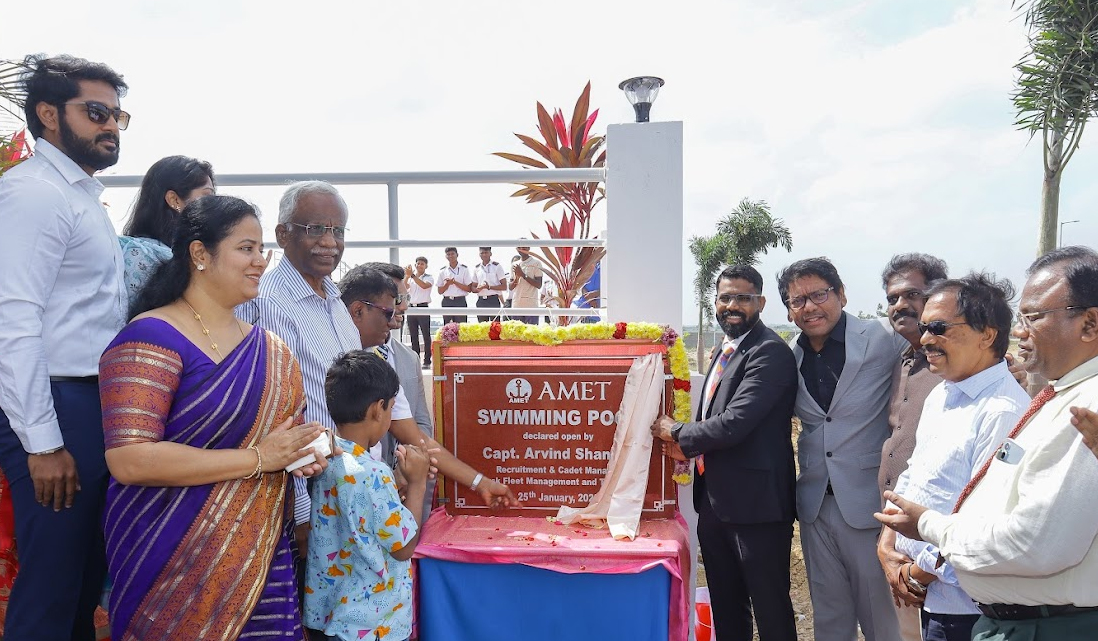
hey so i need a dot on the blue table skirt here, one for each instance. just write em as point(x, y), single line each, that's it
point(496, 602)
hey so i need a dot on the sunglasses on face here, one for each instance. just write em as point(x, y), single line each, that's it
point(400, 299)
point(742, 299)
point(937, 327)
point(100, 113)
point(909, 295)
point(818, 297)
point(388, 311)
point(316, 231)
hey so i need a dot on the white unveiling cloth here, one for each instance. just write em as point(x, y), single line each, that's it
point(619, 501)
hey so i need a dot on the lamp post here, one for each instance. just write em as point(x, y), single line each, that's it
point(1062, 223)
point(641, 93)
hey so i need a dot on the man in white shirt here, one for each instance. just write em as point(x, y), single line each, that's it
point(370, 292)
point(420, 284)
point(1022, 539)
point(965, 335)
point(62, 300)
point(489, 282)
point(454, 282)
point(526, 279)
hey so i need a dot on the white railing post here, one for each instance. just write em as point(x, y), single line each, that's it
point(642, 275)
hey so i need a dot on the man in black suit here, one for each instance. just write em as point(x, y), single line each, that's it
point(745, 486)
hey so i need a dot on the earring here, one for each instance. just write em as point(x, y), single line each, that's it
point(200, 267)
point(179, 210)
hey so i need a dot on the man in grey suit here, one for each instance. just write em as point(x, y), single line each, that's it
point(845, 373)
point(406, 363)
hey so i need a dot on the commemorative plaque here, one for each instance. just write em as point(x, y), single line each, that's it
point(541, 419)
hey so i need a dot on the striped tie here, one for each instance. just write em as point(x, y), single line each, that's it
point(382, 351)
point(711, 388)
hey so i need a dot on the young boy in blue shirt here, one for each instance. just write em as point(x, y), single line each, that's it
point(358, 582)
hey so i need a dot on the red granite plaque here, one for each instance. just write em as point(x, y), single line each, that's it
point(541, 420)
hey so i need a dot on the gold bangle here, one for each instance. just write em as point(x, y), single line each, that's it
point(258, 464)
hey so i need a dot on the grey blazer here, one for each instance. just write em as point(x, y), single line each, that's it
point(406, 364)
point(843, 445)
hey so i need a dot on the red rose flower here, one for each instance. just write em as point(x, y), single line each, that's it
point(619, 330)
point(494, 330)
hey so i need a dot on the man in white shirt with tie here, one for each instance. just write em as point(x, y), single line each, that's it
point(1023, 536)
point(62, 300)
point(965, 328)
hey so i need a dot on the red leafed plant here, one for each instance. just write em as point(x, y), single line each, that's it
point(567, 144)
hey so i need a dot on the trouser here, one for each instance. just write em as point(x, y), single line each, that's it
point(747, 569)
point(421, 325)
point(947, 627)
point(1068, 627)
point(62, 561)
point(490, 302)
point(845, 580)
point(911, 629)
point(454, 301)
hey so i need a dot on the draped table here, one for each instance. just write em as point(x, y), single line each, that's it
point(484, 578)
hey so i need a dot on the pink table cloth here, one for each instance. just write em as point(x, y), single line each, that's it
point(570, 549)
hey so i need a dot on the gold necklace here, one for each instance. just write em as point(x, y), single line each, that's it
point(206, 330)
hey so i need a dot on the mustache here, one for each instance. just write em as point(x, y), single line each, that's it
point(904, 313)
point(111, 137)
point(727, 314)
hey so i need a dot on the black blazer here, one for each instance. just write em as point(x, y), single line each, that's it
point(745, 434)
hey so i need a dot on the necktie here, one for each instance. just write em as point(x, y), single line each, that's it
point(711, 387)
point(1037, 403)
point(382, 351)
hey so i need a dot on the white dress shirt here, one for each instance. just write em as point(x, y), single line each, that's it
point(492, 275)
point(460, 274)
point(419, 295)
point(962, 424)
point(1026, 534)
point(62, 294)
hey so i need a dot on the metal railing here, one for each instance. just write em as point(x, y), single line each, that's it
point(392, 180)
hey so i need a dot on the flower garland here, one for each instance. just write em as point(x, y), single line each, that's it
point(512, 330)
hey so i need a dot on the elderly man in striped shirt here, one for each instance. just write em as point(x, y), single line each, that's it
point(965, 334)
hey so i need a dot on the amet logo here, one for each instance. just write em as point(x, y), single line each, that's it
point(519, 391)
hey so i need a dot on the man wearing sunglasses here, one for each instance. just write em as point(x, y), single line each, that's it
point(965, 334)
point(370, 292)
point(1023, 536)
point(845, 369)
point(62, 300)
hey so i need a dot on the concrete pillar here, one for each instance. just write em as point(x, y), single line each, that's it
point(642, 273)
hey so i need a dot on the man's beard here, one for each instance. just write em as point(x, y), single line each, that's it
point(737, 330)
point(84, 152)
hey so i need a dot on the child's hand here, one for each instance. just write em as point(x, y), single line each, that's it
point(413, 463)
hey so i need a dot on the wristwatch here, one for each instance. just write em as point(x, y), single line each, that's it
point(913, 583)
point(675, 429)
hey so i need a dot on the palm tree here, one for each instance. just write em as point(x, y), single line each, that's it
point(1057, 91)
point(742, 235)
point(12, 97)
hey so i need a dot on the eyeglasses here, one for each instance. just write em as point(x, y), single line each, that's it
point(388, 311)
point(100, 113)
point(819, 297)
point(913, 294)
point(316, 231)
point(937, 327)
point(742, 299)
point(1026, 319)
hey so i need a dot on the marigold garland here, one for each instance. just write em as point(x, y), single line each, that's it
point(512, 330)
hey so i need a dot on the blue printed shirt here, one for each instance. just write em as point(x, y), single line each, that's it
point(354, 588)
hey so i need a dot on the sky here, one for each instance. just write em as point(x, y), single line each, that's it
point(870, 127)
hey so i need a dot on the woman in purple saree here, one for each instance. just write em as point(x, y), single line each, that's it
point(201, 414)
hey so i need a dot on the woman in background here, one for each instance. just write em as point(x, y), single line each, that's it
point(170, 185)
point(201, 414)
